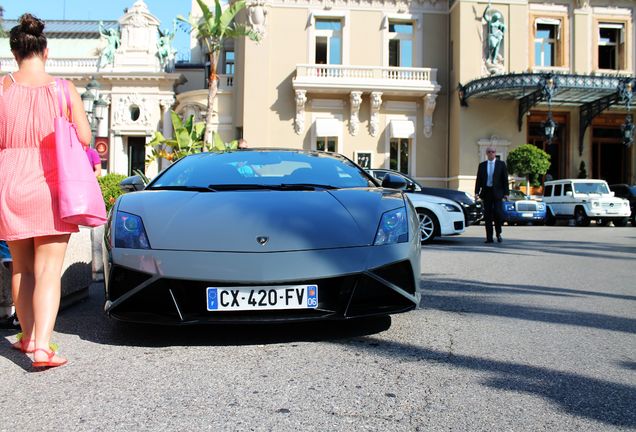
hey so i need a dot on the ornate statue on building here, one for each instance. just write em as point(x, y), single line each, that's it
point(374, 123)
point(299, 123)
point(354, 121)
point(112, 44)
point(494, 38)
point(165, 51)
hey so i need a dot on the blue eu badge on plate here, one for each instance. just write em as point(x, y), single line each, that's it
point(212, 299)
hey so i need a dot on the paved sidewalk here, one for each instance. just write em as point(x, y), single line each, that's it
point(536, 333)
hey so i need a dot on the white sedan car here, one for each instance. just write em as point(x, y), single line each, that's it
point(438, 216)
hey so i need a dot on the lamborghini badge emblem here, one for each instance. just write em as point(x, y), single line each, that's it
point(262, 240)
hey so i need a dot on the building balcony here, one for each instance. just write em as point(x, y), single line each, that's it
point(56, 66)
point(390, 81)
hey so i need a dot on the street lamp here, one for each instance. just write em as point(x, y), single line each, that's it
point(628, 127)
point(94, 106)
point(549, 89)
point(549, 126)
point(628, 130)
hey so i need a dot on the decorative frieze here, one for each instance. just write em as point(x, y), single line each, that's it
point(132, 110)
point(299, 123)
point(354, 121)
point(499, 144)
point(376, 102)
point(166, 103)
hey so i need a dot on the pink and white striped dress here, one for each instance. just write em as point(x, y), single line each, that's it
point(28, 168)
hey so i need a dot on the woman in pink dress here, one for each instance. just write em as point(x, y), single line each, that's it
point(29, 214)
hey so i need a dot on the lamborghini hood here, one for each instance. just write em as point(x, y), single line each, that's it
point(260, 220)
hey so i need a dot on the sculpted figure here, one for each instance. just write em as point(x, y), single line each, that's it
point(496, 29)
point(165, 51)
point(112, 43)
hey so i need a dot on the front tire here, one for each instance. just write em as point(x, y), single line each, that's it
point(550, 220)
point(621, 222)
point(580, 218)
point(429, 226)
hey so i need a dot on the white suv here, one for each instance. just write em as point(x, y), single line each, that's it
point(583, 200)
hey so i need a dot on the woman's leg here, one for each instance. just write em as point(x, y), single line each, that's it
point(49, 257)
point(22, 287)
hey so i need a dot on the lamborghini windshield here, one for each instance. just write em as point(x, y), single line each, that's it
point(261, 169)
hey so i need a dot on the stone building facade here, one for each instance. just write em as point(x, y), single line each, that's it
point(414, 85)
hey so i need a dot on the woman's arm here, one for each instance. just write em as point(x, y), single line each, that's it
point(79, 115)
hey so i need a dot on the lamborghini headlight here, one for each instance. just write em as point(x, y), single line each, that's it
point(394, 228)
point(130, 232)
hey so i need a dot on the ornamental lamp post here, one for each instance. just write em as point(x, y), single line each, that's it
point(628, 127)
point(628, 131)
point(95, 107)
point(549, 126)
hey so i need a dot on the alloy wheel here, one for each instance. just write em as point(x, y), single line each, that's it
point(580, 217)
point(427, 226)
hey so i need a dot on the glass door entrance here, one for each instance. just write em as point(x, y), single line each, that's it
point(557, 149)
point(609, 155)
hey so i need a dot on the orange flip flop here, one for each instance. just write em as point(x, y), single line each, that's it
point(48, 363)
point(22, 344)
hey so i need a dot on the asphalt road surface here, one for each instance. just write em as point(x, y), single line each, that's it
point(533, 334)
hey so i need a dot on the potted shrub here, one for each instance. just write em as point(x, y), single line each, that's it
point(529, 161)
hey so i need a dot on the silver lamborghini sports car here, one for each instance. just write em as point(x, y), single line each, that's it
point(261, 235)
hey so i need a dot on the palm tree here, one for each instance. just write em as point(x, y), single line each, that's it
point(2, 34)
point(212, 28)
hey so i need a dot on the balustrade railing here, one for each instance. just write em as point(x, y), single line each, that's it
point(56, 65)
point(365, 72)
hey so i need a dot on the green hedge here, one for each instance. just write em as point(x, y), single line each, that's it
point(110, 188)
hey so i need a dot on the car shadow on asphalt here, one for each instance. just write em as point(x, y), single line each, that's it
point(465, 296)
point(603, 401)
point(526, 247)
point(88, 321)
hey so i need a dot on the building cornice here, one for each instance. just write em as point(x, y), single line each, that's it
point(400, 6)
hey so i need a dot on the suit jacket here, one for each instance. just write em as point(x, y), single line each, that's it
point(499, 179)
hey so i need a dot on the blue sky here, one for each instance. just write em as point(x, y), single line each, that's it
point(164, 10)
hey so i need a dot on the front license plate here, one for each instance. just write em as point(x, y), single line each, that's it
point(526, 214)
point(262, 297)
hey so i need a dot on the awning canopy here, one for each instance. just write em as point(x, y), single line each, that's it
point(328, 127)
point(591, 93)
point(402, 129)
point(569, 89)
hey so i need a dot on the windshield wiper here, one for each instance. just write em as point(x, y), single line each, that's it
point(276, 187)
point(183, 188)
point(232, 187)
point(306, 186)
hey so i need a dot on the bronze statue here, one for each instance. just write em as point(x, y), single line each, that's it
point(496, 29)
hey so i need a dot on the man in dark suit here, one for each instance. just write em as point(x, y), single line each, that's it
point(492, 187)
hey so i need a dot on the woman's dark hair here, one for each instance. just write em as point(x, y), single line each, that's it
point(26, 39)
